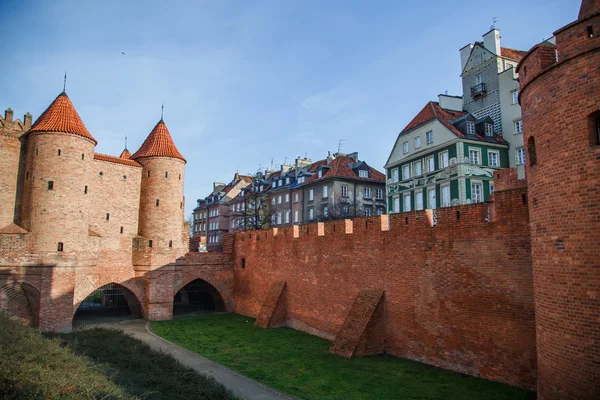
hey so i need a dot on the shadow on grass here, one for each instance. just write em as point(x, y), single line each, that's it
point(143, 372)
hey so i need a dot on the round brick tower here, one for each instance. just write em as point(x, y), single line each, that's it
point(59, 154)
point(161, 199)
point(560, 100)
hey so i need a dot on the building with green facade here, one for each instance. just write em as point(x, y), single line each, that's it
point(444, 157)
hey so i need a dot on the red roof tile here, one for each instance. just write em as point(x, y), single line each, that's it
point(61, 116)
point(158, 144)
point(512, 53)
point(116, 160)
point(432, 110)
point(340, 168)
point(12, 229)
point(125, 154)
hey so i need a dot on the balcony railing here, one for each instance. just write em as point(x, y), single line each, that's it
point(478, 90)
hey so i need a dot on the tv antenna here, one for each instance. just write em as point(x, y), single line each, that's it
point(494, 20)
point(341, 144)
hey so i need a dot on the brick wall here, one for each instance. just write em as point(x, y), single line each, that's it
point(557, 97)
point(457, 295)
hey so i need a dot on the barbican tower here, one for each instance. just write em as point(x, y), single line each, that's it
point(560, 99)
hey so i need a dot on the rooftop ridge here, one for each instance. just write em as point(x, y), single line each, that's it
point(159, 143)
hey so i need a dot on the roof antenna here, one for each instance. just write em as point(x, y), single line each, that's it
point(125, 142)
point(340, 145)
point(162, 111)
point(494, 20)
point(65, 82)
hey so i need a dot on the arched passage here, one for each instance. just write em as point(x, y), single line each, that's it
point(21, 300)
point(198, 296)
point(109, 303)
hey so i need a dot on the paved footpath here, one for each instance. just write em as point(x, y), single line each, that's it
point(240, 385)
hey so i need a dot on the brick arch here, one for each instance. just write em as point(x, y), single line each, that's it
point(183, 278)
point(22, 300)
point(134, 286)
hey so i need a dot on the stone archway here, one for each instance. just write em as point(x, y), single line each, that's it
point(21, 300)
point(198, 296)
point(109, 303)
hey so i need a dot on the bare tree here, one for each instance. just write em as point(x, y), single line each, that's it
point(256, 214)
point(341, 210)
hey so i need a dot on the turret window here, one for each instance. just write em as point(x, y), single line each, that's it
point(179, 176)
point(121, 229)
point(590, 31)
point(27, 175)
point(148, 174)
point(157, 201)
point(181, 205)
point(107, 216)
point(170, 243)
point(36, 152)
point(85, 190)
point(60, 246)
point(531, 151)
point(83, 156)
point(150, 243)
point(59, 152)
point(594, 127)
point(166, 174)
point(50, 185)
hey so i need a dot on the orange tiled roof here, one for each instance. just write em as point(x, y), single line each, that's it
point(61, 116)
point(116, 160)
point(158, 144)
point(340, 168)
point(12, 229)
point(431, 111)
point(512, 53)
point(125, 154)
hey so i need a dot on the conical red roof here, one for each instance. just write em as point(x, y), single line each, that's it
point(158, 144)
point(61, 116)
point(125, 154)
point(589, 7)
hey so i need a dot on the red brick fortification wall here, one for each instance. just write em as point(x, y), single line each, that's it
point(458, 295)
point(564, 193)
point(10, 153)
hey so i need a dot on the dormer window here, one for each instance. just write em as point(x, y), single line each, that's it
point(470, 128)
point(320, 173)
point(363, 173)
point(261, 188)
point(274, 184)
point(489, 130)
point(287, 180)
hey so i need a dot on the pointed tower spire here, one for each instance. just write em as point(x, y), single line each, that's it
point(158, 144)
point(162, 111)
point(65, 83)
point(61, 116)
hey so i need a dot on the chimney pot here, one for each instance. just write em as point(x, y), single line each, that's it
point(8, 115)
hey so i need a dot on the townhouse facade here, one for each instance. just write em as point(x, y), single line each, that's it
point(447, 154)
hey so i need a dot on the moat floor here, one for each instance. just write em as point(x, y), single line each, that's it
point(300, 364)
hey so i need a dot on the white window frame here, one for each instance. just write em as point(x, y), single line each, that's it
point(418, 142)
point(320, 173)
point(430, 164)
point(395, 175)
point(419, 205)
point(520, 155)
point(379, 194)
point(429, 205)
point(363, 173)
point(287, 180)
point(325, 191)
point(396, 204)
point(418, 171)
point(446, 201)
point(311, 214)
point(489, 129)
point(279, 199)
point(295, 216)
point(287, 217)
point(344, 190)
point(515, 96)
point(278, 218)
point(325, 211)
point(404, 202)
point(311, 195)
point(476, 197)
point(429, 136)
point(273, 200)
point(518, 126)
point(367, 193)
point(296, 197)
point(405, 172)
point(479, 79)
point(405, 147)
point(470, 127)
point(447, 163)
point(474, 156)
point(497, 156)
point(287, 197)
point(367, 211)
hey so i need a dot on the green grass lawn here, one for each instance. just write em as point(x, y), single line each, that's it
point(301, 365)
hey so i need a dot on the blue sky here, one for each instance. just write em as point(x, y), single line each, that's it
point(247, 82)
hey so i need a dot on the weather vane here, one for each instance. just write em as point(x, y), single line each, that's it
point(65, 82)
point(494, 20)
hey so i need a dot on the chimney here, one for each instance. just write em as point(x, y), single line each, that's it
point(465, 52)
point(491, 41)
point(354, 156)
point(453, 103)
point(8, 115)
point(236, 177)
point(27, 121)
